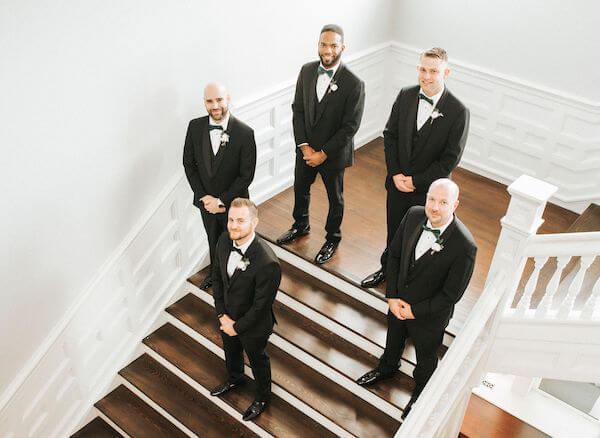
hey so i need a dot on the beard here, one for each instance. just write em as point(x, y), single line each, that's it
point(223, 111)
point(238, 235)
point(333, 62)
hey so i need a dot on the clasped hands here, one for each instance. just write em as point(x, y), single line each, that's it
point(311, 157)
point(404, 183)
point(227, 325)
point(400, 308)
point(211, 204)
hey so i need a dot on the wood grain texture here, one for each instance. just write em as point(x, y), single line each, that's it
point(97, 428)
point(183, 402)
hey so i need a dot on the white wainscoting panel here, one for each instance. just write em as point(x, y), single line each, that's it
point(99, 335)
point(519, 128)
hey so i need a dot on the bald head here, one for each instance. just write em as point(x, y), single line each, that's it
point(216, 100)
point(442, 200)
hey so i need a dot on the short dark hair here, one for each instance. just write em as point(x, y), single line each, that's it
point(334, 28)
point(243, 202)
point(435, 52)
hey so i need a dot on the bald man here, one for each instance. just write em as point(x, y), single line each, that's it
point(430, 264)
point(219, 157)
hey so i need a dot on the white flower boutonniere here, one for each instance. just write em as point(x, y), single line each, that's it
point(333, 86)
point(435, 114)
point(224, 138)
point(243, 264)
point(437, 246)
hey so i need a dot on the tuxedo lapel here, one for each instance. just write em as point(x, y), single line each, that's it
point(247, 255)
point(430, 124)
point(411, 243)
point(224, 259)
point(410, 122)
point(312, 94)
point(223, 148)
point(427, 258)
point(323, 103)
point(206, 148)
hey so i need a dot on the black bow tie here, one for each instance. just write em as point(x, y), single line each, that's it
point(435, 232)
point(236, 249)
point(211, 127)
point(426, 99)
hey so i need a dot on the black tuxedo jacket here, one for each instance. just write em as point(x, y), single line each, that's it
point(329, 126)
point(436, 281)
point(247, 297)
point(228, 174)
point(442, 149)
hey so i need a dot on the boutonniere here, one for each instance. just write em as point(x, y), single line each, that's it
point(437, 246)
point(243, 264)
point(224, 138)
point(333, 86)
point(435, 114)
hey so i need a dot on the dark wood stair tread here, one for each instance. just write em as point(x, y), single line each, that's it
point(333, 401)
point(97, 428)
point(135, 417)
point(179, 399)
point(208, 369)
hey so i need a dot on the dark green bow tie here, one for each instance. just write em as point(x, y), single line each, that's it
point(426, 99)
point(324, 71)
point(435, 232)
point(211, 127)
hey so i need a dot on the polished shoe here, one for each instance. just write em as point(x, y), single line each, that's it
point(224, 387)
point(292, 234)
point(374, 280)
point(206, 283)
point(326, 252)
point(372, 377)
point(408, 407)
point(254, 410)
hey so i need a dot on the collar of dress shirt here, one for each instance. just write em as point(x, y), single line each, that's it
point(443, 227)
point(331, 68)
point(223, 122)
point(245, 246)
point(435, 97)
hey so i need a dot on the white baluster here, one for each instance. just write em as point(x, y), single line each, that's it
point(592, 302)
point(546, 303)
point(575, 286)
point(525, 300)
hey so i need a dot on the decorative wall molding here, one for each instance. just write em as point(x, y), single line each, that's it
point(521, 128)
point(100, 332)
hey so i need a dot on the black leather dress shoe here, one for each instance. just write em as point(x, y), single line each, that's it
point(326, 252)
point(408, 407)
point(224, 387)
point(292, 234)
point(254, 410)
point(374, 280)
point(372, 377)
point(206, 283)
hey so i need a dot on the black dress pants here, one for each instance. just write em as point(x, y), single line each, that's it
point(397, 204)
point(427, 341)
point(214, 224)
point(304, 177)
point(260, 363)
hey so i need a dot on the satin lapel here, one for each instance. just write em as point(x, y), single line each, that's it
point(312, 94)
point(248, 255)
point(321, 107)
point(410, 122)
point(222, 149)
point(224, 256)
point(440, 107)
point(411, 243)
point(206, 148)
point(426, 258)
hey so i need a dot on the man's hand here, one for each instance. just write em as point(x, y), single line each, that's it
point(227, 325)
point(403, 183)
point(307, 151)
point(316, 159)
point(406, 310)
point(211, 204)
point(400, 308)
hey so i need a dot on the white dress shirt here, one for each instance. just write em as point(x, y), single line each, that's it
point(425, 108)
point(427, 238)
point(324, 80)
point(215, 134)
point(234, 257)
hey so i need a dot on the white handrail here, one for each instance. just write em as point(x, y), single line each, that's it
point(571, 244)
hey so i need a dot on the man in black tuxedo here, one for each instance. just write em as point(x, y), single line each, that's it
point(327, 109)
point(246, 278)
point(219, 157)
point(431, 261)
point(424, 139)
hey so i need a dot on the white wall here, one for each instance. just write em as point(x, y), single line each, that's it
point(551, 43)
point(96, 97)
